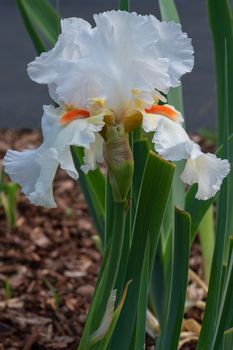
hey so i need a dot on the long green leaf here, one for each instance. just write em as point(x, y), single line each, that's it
point(154, 192)
point(168, 10)
point(36, 39)
point(107, 277)
point(225, 309)
point(220, 17)
point(140, 153)
point(140, 329)
point(44, 16)
point(93, 187)
point(170, 334)
point(228, 339)
point(210, 325)
point(124, 5)
point(207, 239)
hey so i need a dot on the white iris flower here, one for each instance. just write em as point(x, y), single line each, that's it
point(111, 74)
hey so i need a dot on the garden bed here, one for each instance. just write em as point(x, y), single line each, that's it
point(49, 264)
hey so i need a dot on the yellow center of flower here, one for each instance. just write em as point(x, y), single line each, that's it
point(162, 110)
point(73, 114)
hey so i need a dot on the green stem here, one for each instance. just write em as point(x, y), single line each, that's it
point(207, 239)
point(107, 279)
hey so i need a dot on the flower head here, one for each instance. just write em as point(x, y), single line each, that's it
point(120, 61)
point(110, 77)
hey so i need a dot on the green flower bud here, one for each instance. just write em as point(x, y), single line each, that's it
point(119, 160)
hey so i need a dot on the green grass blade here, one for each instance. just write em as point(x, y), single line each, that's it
point(93, 187)
point(44, 16)
point(207, 239)
point(156, 296)
point(36, 39)
point(228, 339)
point(154, 193)
point(109, 212)
point(170, 334)
point(209, 328)
point(225, 309)
point(168, 10)
point(220, 18)
point(124, 5)
point(211, 311)
point(140, 331)
point(140, 153)
point(196, 208)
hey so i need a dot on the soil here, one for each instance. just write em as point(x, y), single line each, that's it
point(49, 264)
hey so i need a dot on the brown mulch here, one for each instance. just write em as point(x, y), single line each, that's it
point(49, 265)
point(50, 262)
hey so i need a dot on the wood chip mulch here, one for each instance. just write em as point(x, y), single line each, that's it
point(49, 265)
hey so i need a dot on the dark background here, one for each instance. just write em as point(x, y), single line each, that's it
point(21, 99)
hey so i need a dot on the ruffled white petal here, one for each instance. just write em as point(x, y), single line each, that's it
point(173, 143)
point(171, 140)
point(34, 170)
point(176, 47)
point(93, 155)
point(43, 69)
point(79, 132)
point(208, 172)
point(125, 51)
point(150, 122)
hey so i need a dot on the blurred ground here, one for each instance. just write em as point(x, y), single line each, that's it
point(21, 100)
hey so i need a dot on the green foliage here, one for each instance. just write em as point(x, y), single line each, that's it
point(207, 241)
point(93, 187)
point(124, 5)
point(154, 193)
point(228, 339)
point(40, 18)
point(170, 331)
point(54, 293)
point(7, 289)
point(219, 300)
point(8, 199)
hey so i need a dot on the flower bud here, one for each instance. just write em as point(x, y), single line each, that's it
point(119, 160)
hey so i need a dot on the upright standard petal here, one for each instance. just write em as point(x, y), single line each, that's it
point(44, 69)
point(123, 53)
point(176, 47)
